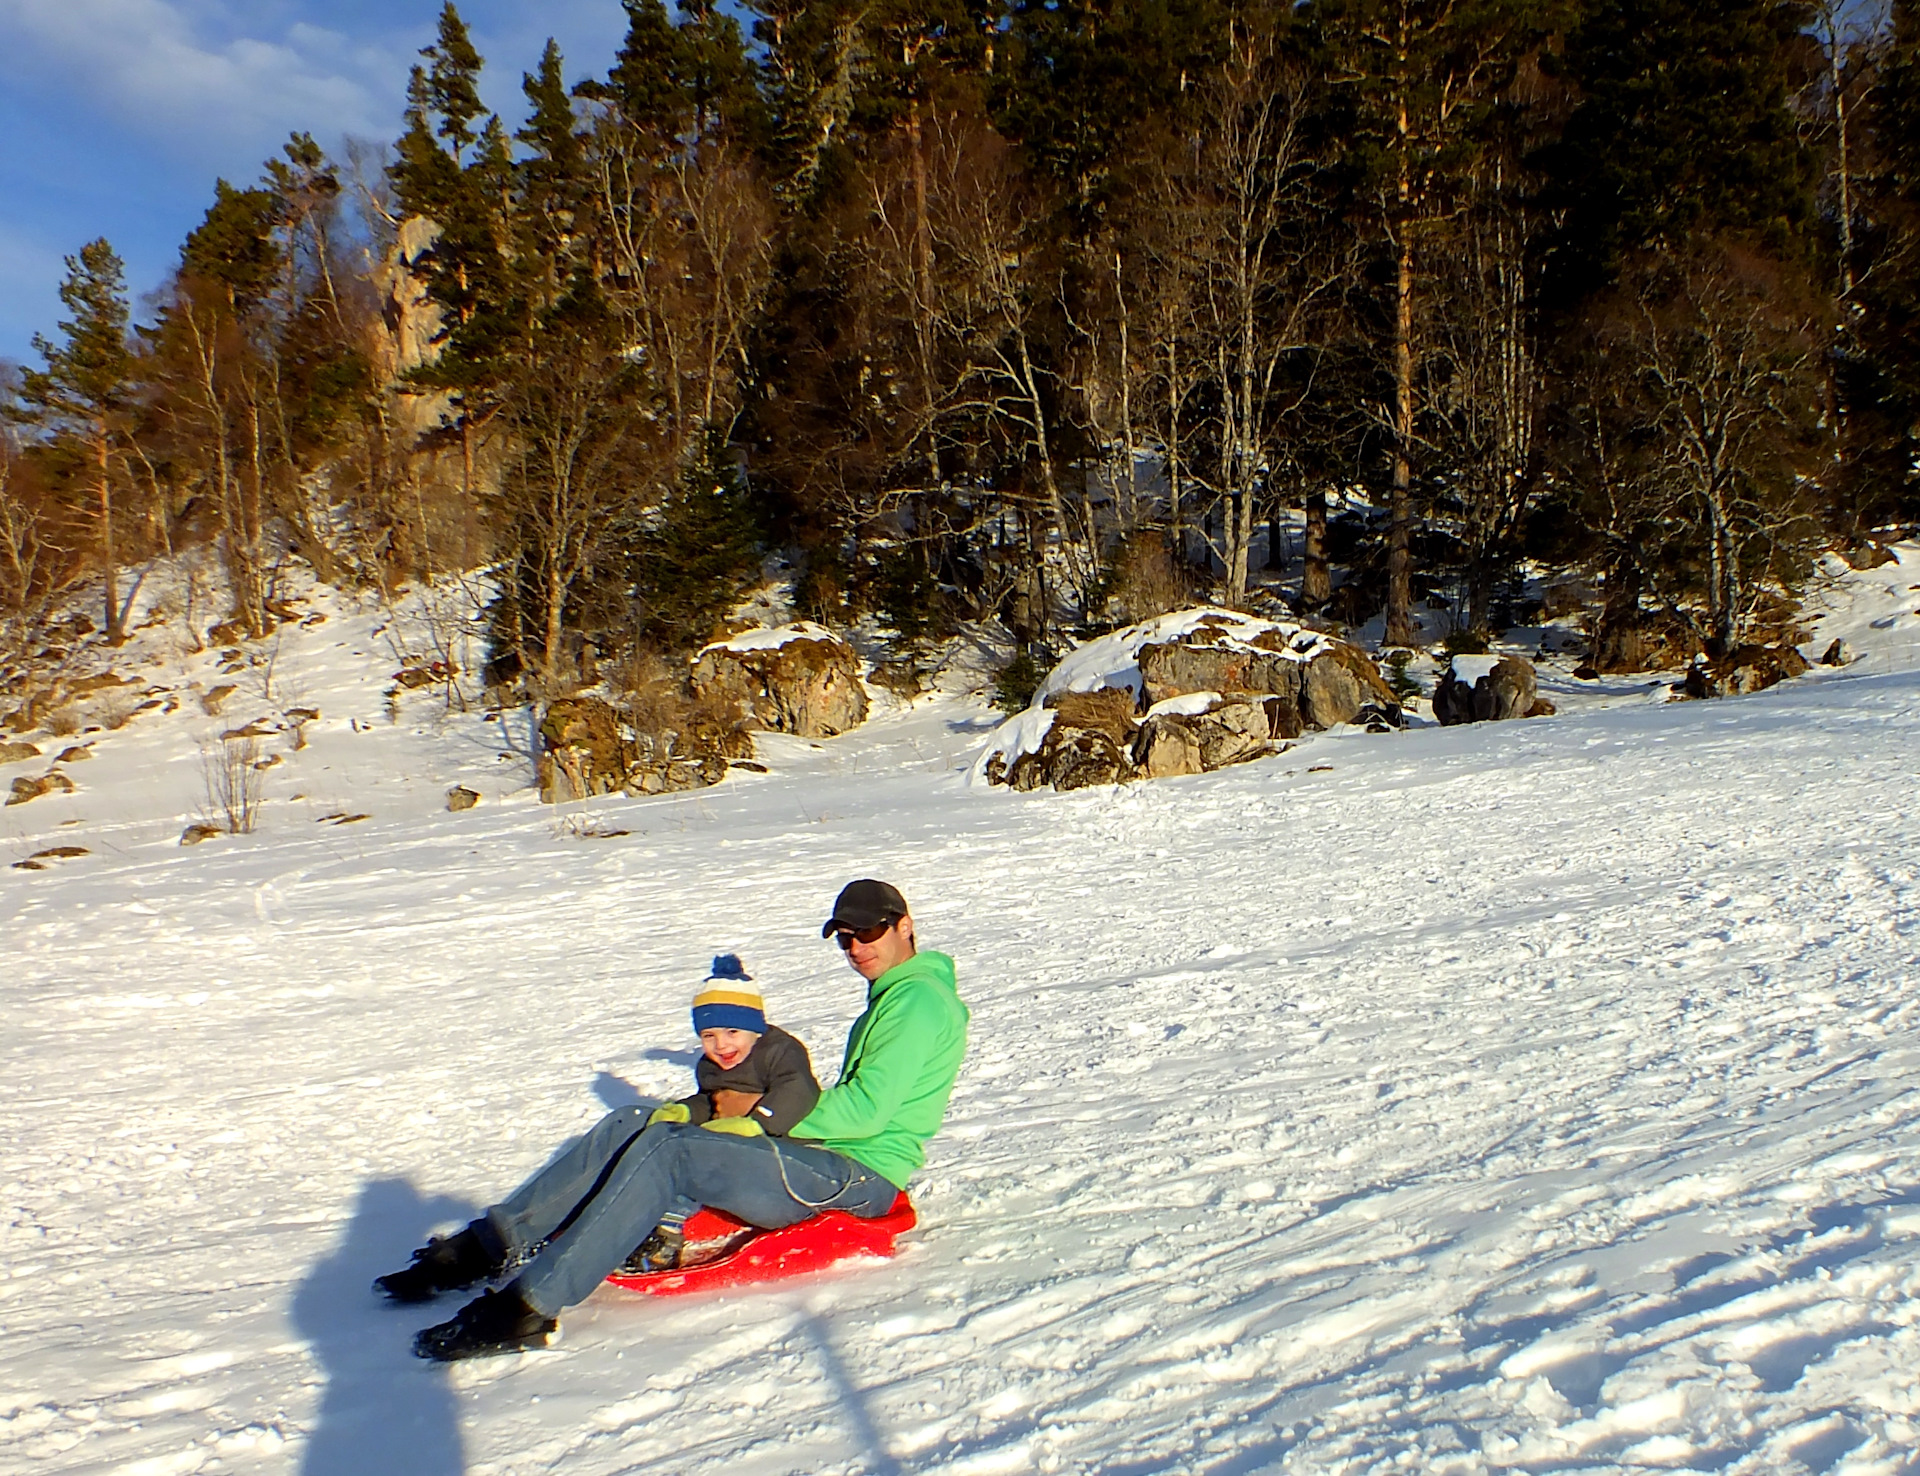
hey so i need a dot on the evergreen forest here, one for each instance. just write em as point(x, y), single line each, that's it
point(1045, 313)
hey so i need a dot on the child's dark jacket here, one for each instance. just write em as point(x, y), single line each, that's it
point(777, 1067)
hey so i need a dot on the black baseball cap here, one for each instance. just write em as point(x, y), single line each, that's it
point(865, 904)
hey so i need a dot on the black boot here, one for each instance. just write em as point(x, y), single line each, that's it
point(445, 1263)
point(493, 1322)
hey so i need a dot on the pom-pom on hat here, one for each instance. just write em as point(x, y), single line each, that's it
point(728, 1000)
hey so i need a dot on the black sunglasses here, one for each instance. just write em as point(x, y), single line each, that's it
point(846, 937)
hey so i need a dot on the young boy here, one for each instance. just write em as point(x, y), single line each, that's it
point(747, 1069)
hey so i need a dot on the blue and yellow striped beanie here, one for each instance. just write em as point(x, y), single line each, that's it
point(728, 1000)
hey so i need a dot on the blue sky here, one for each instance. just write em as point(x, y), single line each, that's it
point(119, 114)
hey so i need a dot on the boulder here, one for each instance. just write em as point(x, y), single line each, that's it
point(1867, 553)
point(1168, 747)
point(78, 753)
point(25, 789)
point(1220, 733)
point(194, 834)
point(13, 753)
point(1751, 668)
point(413, 677)
point(1327, 680)
point(1071, 758)
point(1219, 688)
point(1482, 689)
point(583, 752)
point(461, 798)
point(801, 679)
point(587, 750)
point(1078, 739)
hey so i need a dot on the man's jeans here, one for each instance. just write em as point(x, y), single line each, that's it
point(623, 1176)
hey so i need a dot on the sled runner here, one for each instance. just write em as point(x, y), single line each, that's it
point(721, 1251)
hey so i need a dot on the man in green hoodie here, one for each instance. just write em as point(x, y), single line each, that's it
point(580, 1217)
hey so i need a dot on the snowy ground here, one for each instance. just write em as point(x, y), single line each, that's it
point(1533, 1097)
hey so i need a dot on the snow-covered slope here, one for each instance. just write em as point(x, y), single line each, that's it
point(1538, 1096)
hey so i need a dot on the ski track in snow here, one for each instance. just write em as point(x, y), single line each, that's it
point(1533, 1097)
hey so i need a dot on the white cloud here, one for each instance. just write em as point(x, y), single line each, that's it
point(197, 89)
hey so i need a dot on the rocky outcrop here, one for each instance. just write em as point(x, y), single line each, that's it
point(25, 789)
point(1218, 688)
point(1488, 689)
point(1867, 553)
point(1327, 681)
point(801, 679)
point(587, 749)
point(1088, 740)
point(1744, 669)
point(1189, 738)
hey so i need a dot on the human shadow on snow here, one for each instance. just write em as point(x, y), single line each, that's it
point(615, 1092)
point(383, 1412)
point(851, 1398)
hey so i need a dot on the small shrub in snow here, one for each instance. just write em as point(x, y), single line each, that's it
point(1016, 682)
point(234, 784)
point(1464, 642)
point(1404, 685)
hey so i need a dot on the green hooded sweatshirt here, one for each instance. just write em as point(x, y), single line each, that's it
point(902, 1057)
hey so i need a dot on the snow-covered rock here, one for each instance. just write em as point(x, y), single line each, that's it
point(1744, 669)
point(799, 678)
point(1479, 689)
point(1218, 687)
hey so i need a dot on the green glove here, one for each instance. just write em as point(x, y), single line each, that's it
point(740, 1127)
point(669, 1112)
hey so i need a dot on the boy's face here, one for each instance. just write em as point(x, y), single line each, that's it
point(727, 1048)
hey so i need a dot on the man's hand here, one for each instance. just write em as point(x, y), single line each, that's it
point(735, 1127)
point(730, 1103)
point(669, 1112)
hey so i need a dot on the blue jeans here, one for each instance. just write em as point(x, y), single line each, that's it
point(604, 1193)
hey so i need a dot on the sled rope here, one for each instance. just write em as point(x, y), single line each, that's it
point(795, 1194)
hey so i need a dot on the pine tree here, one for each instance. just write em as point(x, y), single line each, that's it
point(454, 167)
point(1885, 375)
point(85, 388)
point(698, 551)
point(1684, 129)
point(553, 192)
point(681, 83)
point(1422, 77)
point(1089, 83)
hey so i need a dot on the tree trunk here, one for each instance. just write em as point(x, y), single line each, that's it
point(556, 593)
point(923, 286)
point(1316, 579)
point(1400, 630)
point(1176, 512)
point(1618, 644)
point(115, 625)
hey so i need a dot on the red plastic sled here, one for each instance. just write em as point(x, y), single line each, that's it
point(727, 1252)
